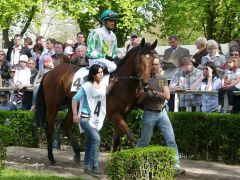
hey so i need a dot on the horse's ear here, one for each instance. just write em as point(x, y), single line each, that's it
point(154, 45)
point(142, 42)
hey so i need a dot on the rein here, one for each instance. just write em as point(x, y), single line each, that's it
point(137, 77)
point(127, 77)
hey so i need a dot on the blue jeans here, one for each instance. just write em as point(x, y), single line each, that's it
point(151, 119)
point(93, 140)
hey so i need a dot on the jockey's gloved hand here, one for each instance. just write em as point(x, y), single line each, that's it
point(109, 58)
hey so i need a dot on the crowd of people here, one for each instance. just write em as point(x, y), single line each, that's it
point(207, 70)
point(23, 66)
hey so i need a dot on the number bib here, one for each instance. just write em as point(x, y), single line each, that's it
point(78, 79)
point(97, 103)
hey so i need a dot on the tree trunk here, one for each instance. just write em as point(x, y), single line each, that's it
point(6, 42)
point(30, 17)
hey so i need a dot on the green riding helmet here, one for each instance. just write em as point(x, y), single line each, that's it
point(108, 14)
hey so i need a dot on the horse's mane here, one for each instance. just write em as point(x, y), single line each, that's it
point(146, 48)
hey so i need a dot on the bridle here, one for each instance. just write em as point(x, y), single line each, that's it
point(138, 76)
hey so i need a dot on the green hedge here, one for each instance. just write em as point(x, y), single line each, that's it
point(153, 162)
point(199, 135)
point(5, 139)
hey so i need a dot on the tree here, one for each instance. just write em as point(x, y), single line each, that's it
point(132, 15)
point(15, 12)
point(216, 19)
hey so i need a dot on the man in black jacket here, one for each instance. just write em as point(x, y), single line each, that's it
point(14, 52)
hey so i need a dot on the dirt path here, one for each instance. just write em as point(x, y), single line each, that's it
point(36, 159)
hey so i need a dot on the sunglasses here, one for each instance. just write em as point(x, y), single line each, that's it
point(134, 37)
point(12, 71)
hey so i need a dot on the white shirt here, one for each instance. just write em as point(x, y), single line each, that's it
point(15, 55)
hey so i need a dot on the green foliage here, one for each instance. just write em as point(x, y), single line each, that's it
point(5, 139)
point(153, 162)
point(206, 136)
point(132, 15)
point(218, 19)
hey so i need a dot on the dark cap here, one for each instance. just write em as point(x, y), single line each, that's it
point(134, 35)
point(3, 94)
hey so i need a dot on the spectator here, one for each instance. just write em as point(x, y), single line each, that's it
point(21, 78)
point(27, 95)
point(38, 52)
point(175, 53)
point(4, 69)
point(230, 83)
point(79, 58)
point(68, 50)
point(59, 57)
point(5, 104)
point(28, 42)
point(231, 44)
point(213, 55)
point(102, 43)
point(201, 44)
point(134, 41)
point(41, 40)
point(155, 114)
point(12, 71)
point(234, 51)
point(48, 65)
point(50, 51)
point(183, 78)
point(80, 41)
point(32, 66)
point(14, 53)
point(209, 81)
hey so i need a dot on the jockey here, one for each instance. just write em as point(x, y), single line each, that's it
point(102, 43)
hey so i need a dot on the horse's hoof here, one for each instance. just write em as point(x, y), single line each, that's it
point(52, 163)
point(76, 159)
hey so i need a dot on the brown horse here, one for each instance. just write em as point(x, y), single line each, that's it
point(133, 70)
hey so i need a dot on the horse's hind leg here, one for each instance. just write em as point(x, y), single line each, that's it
point(66, 126)
point(116, 139)
point(120, 122)
point(51, 116)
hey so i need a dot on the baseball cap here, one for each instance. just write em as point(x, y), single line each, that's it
point(23, 58)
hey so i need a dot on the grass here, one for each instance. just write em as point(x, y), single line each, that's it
point(13, 174)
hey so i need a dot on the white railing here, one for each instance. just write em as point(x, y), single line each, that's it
point(189, 109)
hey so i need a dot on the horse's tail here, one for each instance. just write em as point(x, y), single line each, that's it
point(40, 111)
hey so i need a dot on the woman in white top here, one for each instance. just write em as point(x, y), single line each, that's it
point(209, 81)
point(91, 114)
point(21, 78)
point(230, 83)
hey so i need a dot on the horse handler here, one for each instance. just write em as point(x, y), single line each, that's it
point(155, 114)
point(92, 111)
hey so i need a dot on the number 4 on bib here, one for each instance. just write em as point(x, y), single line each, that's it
point(77, 83)
point(97, 108)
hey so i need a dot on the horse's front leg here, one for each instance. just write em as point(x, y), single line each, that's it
point(49, 132)
point(121, 124)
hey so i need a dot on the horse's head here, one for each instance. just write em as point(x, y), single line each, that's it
point(145, 61)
